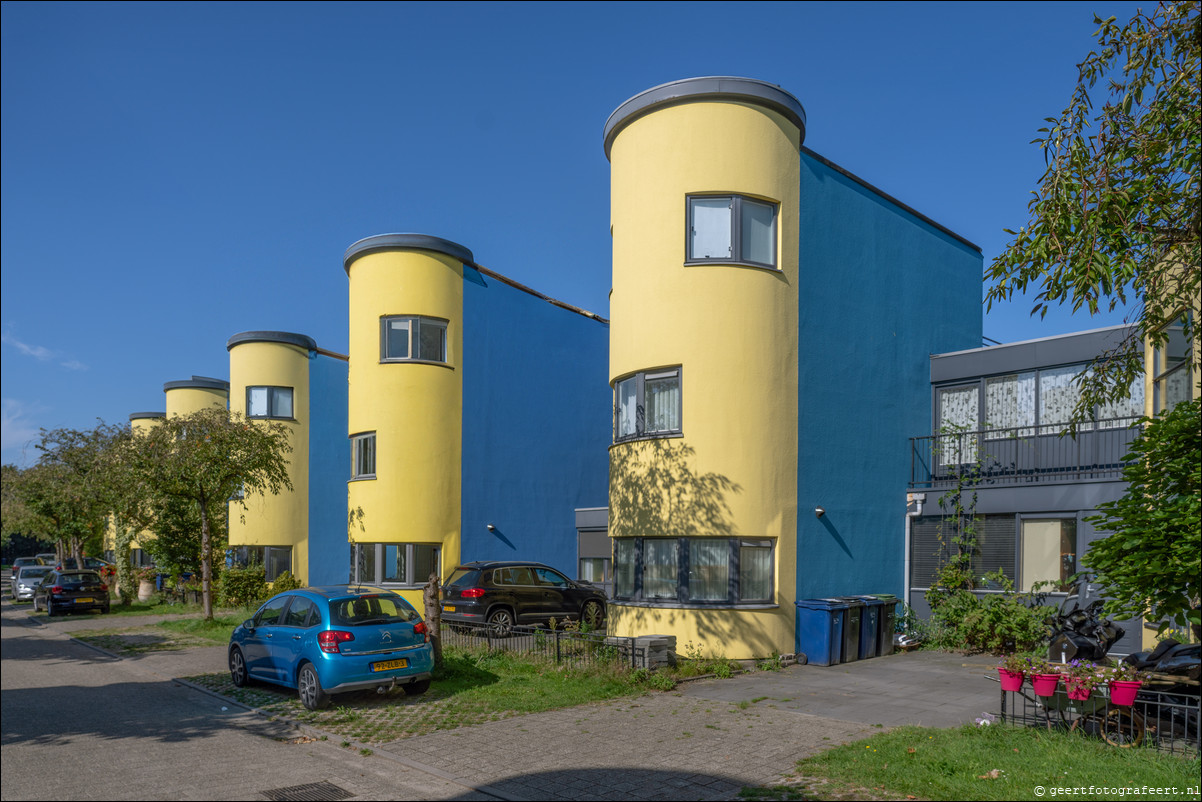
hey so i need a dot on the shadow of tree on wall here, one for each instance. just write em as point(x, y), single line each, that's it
point(656, 491)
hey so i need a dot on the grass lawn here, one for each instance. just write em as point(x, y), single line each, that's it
point(170, 635)
point(994, 762)
point(137, 608)
point(472, 687)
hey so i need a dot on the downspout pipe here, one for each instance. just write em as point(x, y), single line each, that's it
point(913, 510)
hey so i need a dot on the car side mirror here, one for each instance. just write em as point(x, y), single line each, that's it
point(249, 624)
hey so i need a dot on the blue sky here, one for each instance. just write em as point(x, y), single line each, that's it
point(176, 173)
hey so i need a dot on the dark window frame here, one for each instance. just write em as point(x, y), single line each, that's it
point(736, 230)
point(415, 325)
point(640, 378)
point(273, 390)
point(377, 578)
point(683, 564)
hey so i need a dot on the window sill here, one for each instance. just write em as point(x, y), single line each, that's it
point(675, 605)
point(270, 417)
point(730, 263)
point(641, 437)
point(433, 362)
point(366, 478)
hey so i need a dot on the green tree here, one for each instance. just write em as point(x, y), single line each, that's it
point(1153, 560)
point(1116, 216)
point(209, 459)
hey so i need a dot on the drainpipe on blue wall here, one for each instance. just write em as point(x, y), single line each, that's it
point(915, 499)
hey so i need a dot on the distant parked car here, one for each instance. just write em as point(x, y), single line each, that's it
point(20, 562)
point(89, 563)
point(63, 592)
point(503, 594)
point(333, 639)
point(48, 558)
point(26, 578)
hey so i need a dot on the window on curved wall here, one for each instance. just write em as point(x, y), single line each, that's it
point(731, 229)
point(274, 559)
point(269, 402)
point(413, 338)
point(363, 456)
point(1172, 369)
point(648, 404)
point(394, 563)
point(694, 570)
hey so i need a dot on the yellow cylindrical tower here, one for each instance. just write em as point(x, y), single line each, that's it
point(705, 177)
point(139, 423)
point(192, 395)
point(269, 380)
point(405, 406)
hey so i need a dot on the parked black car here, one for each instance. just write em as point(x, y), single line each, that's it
point(67, 591)
point(503, 594)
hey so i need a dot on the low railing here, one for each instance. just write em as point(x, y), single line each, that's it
point(1022, 454)
point(1164, 721)
point(553, 645)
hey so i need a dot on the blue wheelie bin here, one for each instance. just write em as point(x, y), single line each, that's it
point(869, 626)
point(820, 630)
point(851, 628)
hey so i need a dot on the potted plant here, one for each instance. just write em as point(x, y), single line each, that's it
point(1011, 671)
point(1123, 681)
point(193, 588)
point(146, 575)
point(1081, 677)
point(1043, 679)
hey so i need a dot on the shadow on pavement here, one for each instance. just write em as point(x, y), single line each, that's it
point(617, 783)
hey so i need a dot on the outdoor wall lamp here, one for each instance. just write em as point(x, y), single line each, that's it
point(819, 512)
point(492, 528)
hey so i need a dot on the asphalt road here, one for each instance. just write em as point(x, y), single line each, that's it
point(78, 724)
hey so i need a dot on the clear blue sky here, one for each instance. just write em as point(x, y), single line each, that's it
point(175, 173)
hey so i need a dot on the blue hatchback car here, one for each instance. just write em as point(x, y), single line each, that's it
point(333, 639)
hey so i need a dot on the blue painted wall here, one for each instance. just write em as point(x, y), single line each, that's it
point(329, 467)
point(880, 291)
point(536, 423)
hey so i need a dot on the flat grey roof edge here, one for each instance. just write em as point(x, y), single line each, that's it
point(712, 87)
point(286, 337)
point(1083, 333)
point(197, 383)
point(405, 242)
point(146, 415)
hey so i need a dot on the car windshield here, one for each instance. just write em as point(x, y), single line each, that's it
point(371, 610)
point(33, 571)
point(81, 578)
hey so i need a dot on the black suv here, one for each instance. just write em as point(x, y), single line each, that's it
point(503, 594)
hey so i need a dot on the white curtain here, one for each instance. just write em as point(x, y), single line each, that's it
point(755, 573)
point(626, 424)
point(659, 568)
point(958, 409)
point(663, 403)
point(1059, 392)
point(709, 569)
point(1010, 404)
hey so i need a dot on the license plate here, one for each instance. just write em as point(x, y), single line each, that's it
point(448, 608)
point(84, 601)
point(389, 665)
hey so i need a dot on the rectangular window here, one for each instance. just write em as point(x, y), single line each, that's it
point(274, 559)
point(1059, 392)
point(731, 229)
point(269, 402)
point(394, 563)
point(1010, 406)
point(1172, 369)
point(413, 338)
point(594, 570)
point(1049, 552)
point(694, 570)
point(648, 405)
point(959, 412)
point(363, 456)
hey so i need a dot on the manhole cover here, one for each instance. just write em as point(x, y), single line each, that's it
point(310, 792)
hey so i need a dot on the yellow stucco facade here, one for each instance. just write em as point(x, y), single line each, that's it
point(282, 519)
point(414, 407)
point(732, 330)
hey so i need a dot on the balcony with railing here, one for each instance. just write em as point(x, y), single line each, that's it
point(1022, 455)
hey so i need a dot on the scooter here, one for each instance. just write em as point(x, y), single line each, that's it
point(1081, 633)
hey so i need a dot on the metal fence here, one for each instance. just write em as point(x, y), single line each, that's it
point(1166, 722)
point(553, 645)
point(1022, 454)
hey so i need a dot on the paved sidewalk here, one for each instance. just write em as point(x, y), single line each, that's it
point(707, 740)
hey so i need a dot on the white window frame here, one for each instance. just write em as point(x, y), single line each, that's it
point(358, 442)
point(415, 352)
point(735, 256)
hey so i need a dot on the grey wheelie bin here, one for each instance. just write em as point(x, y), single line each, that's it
point(820, 630)
point(851, 628)
point(870, 621)
point(887, 624)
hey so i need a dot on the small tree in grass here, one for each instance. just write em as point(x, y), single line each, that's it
point(1152, 563)
point(210, 459)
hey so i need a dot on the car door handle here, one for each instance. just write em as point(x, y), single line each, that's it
point(269, 635)
point(296, 637)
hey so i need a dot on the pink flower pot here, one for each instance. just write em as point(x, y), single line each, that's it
point(1045, 684)
point(1078, 692)
point(1011, 680)
point(1122, 691)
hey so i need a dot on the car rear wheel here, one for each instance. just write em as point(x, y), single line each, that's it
point(51, 610)
point(416, 688)
point(501, 622)
point(238, 673)
point(593, 614)
point(309, 688)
